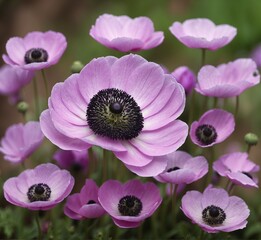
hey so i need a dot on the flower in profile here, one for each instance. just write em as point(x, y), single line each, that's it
point(126, 105)
point(185, 77)
point(203, 33)
point(126, 34)
point(37, 50)
point(182, 168)
point(40, 188)
point(84, 204)
point(71, 160)
point(12, 79)
point(238, 168)
point(130, 203)
point(20, 141)
point(256, 55)
point(214, 210)
point(227, 80)
point(213, 127)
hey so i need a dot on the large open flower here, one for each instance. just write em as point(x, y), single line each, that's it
point(126, 34)
point(125, 105)
point(203, 33)
point(37, 50)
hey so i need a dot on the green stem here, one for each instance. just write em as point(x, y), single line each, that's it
point(203, 57)
point(45, 85)
point(215, 105)
point(36, 99)
point(40, 237)
point(237, 106)
point(174, 190)
point(248, 148)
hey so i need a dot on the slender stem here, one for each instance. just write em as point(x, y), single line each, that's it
point(249, 148)
point(105, 164)
point(191, 107)
point(174, 190)
point(237, 106)
point(215, 105)
point(38, 226)
point(210, 160)
point(45, 85)
point(36, 99)
point(203, 57)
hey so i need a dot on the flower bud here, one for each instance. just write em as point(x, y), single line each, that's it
point(251, 139)
point(22, 107)
point(76, 67)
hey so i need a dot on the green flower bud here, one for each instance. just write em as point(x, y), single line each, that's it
point(251, 139)
point(22, 107)
point(76, 67)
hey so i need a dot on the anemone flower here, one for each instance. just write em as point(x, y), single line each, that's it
point(214, 210)
point(37, 50)
point(84, 204)
point(126, 105)
point(130, 203)
point(203, 33)
point(238, 168)
point(126, 34)
point(40, 188)
point(213, 127)
point(12, 80)
point(227, 80)
point(182, 168)
point(20, 141)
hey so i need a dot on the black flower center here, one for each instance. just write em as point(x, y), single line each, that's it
point(91, 202)
point(114, 113)
point(130, 206)
point(255, 74)
point(35, 55)
point(206, 134)
point(248, 174)
point(173, 169)
point(39, 192)
point(213, 215)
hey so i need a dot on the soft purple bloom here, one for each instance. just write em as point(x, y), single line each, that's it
point(20, 141)
point(170, 188)
point(227, 80)
point(215, 211)
point(37, 50)
point(40, 188)
point(213, 127)
point(185, 77)
point(84, 204)
point(238, 168)
point(203, 33)
point(12, 79)
point(130, 203)
point(126, 105)
point(256, 55)
point(126, 34)
point(183, 168)
point(71, 160)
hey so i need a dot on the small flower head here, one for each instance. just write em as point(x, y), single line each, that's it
point(37, 50)
point(130, 203)
point(251, 139)
point(213, 127)
point(40, 188)
point(214, 210)
point(20, 141)
point(227, 80)
point(238, 168)
point(203, 33)
point(84, 204)
point(126, 34)
point(182, 168)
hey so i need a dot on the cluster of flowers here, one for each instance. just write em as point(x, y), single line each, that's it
point(128, 106)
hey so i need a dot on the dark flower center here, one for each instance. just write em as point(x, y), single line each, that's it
point(35, 55)
point(113, 113)
point(91, 202)
point(130, 206)
point(255, 74)
point(213, 215)
point(206, 134)
point(39, 192)
point(76, 167)
point(173, 169)
point(248, 174)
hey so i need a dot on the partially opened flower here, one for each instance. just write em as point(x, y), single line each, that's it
point(37, 50)
point(182, 168)
point(40, 188)
point(185, 77)
point(213, 127)
point(20, 141)
point(203, 33)
point(227, 80)
point(126, 34)
point(238, 168)
point(125, 105)
point(256, 55)
point(84, 204)
point(71, 160)
point(130, 203)
point(12, 79)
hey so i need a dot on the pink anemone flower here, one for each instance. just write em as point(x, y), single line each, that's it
point(131, 203)
point(214, 210)
point(40, 188)
point(203, 33)
point(126, 34)
point(126, 105)
point(37, 50)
